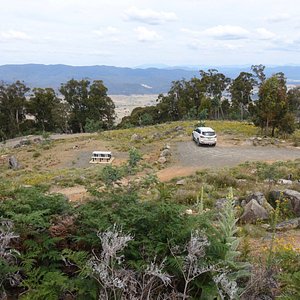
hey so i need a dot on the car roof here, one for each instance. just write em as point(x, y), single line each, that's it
point(208, 129)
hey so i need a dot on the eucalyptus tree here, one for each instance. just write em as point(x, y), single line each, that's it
point(241, 90)
point(272, 105)
point(215, 84)
point(42, 105)
point(88, 101)
point(12, 107)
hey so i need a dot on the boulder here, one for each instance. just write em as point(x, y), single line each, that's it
point(253, 212)
point(294, 200)
point(288, 225)
point(261, 200)
point(258, 196)
point(13, 163)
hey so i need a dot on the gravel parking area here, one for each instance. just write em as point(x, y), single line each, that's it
point(188, 154)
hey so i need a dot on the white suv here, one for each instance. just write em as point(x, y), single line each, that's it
point(204, 136)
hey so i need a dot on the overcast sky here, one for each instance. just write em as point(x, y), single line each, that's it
point(138, 32)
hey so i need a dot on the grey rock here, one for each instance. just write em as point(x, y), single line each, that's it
point(13, 163)
point(181, 182)
point(258, 196)
point(294, 200)
point(37, 140)
point(165, 153)
point(178, 128)
point(288, 225)
point(285, 181)
point(261, 200)
point(220, 203)
point(254, 212)
point(25, 142)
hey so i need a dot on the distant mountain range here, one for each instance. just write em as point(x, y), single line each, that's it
point(123, 81)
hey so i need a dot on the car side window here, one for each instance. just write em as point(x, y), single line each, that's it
point(198, 130)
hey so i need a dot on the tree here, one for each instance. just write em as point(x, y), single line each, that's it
point(271, 108)
point(215, 84)
point(294, 102)
point(260, 76)
point(75, 93)
point(42, 105)
point(12, 107)
point(241, 90)
point(100, 107)
point(88, 102)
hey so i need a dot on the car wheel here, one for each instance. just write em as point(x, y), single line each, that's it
point(198, 142)
point(193, 139)
point(214, 145)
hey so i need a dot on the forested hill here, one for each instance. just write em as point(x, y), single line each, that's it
point(121, 80)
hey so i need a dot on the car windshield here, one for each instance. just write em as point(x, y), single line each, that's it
point(209, 133)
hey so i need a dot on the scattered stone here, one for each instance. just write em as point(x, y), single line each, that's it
point(285, 181)
point(136, 137)
point(156, 135)
point(253, 212)
point(17, 146)
point(181, 182)
point(242, 180)
point(37, 140)
point(288, 225)
point(13, 163)
point(165, 153)
point(162, 160)
point(75, 147)
point(220, 203)
point(166, 146)
point(179, 128)
point(189, 211)
point(25, 142)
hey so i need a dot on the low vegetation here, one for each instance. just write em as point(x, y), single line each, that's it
point(144, 239)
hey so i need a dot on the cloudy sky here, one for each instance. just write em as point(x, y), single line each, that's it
point(141, 32)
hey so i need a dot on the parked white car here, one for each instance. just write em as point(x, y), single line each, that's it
point(204, 136)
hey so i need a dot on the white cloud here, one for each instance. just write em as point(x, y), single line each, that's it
point(282, 17)
point(14, 35)
point(108, 31)
point(149, 16)
point(227, 32)
point(265, 34)
point(146, 35)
